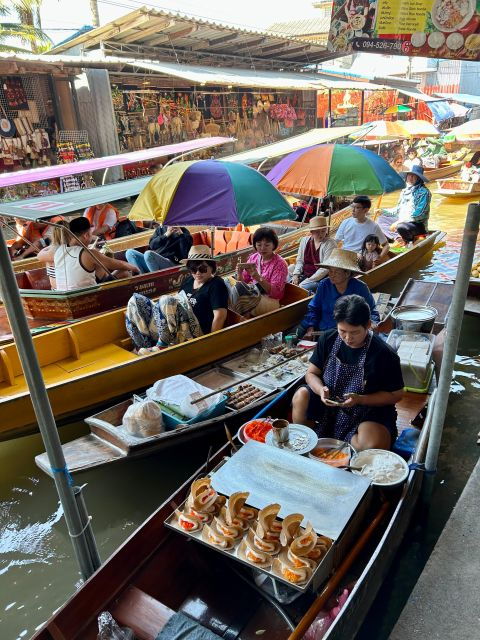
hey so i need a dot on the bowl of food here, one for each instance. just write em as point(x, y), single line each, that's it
point(452, 15)
point(254, 430)
point(383, 468)
point(334, 452)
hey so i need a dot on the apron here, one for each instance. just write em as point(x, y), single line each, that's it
point(341, 379)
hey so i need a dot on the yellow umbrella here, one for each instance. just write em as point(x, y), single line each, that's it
point(420, 129)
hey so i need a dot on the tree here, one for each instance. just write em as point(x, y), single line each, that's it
point(28, 30)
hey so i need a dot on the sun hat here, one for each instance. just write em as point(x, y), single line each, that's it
point(318, 222)
point(199, 252)
point(342, 259)
point(417, 170)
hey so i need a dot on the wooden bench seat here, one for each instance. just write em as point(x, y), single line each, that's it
point(144, 615)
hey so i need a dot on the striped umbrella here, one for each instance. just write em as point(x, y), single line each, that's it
point(334, 170)
point(210, 192)
point(382, 130)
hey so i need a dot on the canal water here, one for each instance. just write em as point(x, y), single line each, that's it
point(38, 572)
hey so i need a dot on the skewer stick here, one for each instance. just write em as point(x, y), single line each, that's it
point(254, 375)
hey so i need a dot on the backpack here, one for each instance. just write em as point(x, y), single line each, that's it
point(124, 227)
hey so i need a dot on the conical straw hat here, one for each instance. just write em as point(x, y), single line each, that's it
point(342, 259)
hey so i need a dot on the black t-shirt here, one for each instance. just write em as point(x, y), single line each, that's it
point(382, 365)
point(205, 300)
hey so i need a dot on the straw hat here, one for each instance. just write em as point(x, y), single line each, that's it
point(342, 259)
point(199, 252)
point(318, 222)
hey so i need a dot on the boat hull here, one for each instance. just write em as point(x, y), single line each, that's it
point(443, 172)
point(457, 188)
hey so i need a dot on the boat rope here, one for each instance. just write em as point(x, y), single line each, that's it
point(420, 466)
point(77, 535)
point(65, 471)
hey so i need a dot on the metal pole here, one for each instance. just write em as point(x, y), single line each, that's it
point(43, 410)
point(451, 340)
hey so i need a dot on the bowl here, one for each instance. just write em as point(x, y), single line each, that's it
point(383, 468)
point(243, 437)
point(332, 443)
point(414, 318)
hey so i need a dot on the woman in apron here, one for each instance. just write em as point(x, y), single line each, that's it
point(354, 381)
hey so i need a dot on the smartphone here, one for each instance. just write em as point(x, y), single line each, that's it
point(245, 265)
point(336, 401)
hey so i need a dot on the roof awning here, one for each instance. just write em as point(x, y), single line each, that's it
point(440, 108)
point(94, 164)
point(465, 98)
point(308, 139)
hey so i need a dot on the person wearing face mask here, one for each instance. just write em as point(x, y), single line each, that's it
point(410, 216)
point(342, 265)
point(261, 280)
point(353, 381)
point(313, 250)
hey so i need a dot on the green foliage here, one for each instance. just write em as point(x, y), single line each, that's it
point(27, 30)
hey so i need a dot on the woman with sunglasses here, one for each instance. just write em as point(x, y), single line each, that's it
point(261, 280)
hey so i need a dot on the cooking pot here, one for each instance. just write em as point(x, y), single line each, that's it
point(414, 318)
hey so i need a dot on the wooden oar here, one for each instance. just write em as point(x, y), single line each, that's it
point(254, 375)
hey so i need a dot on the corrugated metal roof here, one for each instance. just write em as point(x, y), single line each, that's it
point(302, 28)
point(466, 98)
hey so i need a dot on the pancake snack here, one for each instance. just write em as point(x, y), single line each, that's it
point(202, 504)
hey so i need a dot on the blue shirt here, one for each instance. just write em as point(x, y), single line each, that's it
point(320, 309)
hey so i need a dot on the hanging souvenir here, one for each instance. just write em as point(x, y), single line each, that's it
point(15, 94)
point(7, 127)
point(216, 107)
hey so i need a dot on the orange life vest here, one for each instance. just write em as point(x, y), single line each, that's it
point(90, 213)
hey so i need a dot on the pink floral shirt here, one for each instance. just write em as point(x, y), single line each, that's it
point(275, 271)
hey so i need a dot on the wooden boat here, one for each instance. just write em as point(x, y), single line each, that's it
point(133, 586)
point(107, 443)
point(456, 188)
point(443, 171)
point(91, 362)
point(472, 304)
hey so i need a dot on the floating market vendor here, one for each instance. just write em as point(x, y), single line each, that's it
point(409, 219)
point(353, 381)
point(200, 307)
point(342, 265)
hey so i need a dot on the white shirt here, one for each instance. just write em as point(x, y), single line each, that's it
point(352, 233)
point(69, 273)
point(110, 218)
point(410, 163)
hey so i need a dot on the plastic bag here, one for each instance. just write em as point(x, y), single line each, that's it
point(143, 419)
point(177, 392)
point(108, 629)
point(319, 627)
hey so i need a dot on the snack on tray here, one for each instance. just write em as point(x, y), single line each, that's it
point(201, 505)
point(243, 395)
point(282, 567)
point(216, 539)
point(249, 552)
point(233, 511)
point(290, 526)
point(230, 531)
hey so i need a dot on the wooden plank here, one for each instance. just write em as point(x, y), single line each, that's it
point(138, 611)
point(83, 453)
point(472, 306)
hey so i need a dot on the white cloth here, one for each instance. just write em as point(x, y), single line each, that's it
point(110, 218)
point(326, 248)
point(69, 273)
point(352, 233)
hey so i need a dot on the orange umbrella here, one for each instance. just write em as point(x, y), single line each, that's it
point(420, 129)
point(382, 130)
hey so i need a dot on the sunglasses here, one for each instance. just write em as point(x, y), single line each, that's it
point(201, 268)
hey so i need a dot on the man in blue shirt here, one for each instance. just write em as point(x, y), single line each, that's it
point(342, 266)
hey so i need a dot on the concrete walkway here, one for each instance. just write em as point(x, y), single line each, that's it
point(445, 603)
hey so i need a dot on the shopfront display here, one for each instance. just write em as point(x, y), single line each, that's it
point(149, 117)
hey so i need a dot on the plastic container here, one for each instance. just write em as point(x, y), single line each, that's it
point(377, 461)
point(414, 318)
point(332, 443)
point(171, 420)
point(415, 353)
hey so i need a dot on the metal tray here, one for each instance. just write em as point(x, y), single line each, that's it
point(219, 377)
point(326, 496)
point(320, 575)
point(240, 366)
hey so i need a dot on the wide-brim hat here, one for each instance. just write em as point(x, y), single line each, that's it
point(417, 170)
point(342, 259)
point(199, 252)
point(318, 222)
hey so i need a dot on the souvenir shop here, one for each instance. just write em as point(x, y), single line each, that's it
point(148, 116)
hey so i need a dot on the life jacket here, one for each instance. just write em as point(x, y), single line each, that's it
point(90, 214)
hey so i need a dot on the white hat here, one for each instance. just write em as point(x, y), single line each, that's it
point(342, 259)
point(199, 252)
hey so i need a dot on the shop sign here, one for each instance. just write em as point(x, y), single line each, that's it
point(427, 28)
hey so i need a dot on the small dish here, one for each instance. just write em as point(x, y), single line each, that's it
point(301, 440)
point(383, 468)
point(345, 452)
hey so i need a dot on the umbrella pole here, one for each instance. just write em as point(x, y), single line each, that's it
point(306, 211)
point(212, 240)
point(88, 562)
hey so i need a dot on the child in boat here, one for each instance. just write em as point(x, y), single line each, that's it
point(370, 255)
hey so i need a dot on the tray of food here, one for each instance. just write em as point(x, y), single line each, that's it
point(288, 549)
point(238, 397)
point(255, 361)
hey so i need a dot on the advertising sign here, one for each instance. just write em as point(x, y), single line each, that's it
point(430, 28)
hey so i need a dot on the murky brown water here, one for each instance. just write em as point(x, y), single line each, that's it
point(37, 570)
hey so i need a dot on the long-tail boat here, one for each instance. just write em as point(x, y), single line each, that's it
point(158, 572)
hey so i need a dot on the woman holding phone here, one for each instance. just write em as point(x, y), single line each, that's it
point(261, 280)
point(353, 381)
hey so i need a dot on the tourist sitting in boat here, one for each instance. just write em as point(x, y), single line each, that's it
point(168, 245)
point(199, 308)
point(397, 163)
point(305, 209)
point(371, 254)
point(353, 231)
point(410, 216)
point(313, 250)
point(354, 381)
point(469, 172)
point(342, 265)
point(102, 218)
point(33, 236)
point(261, 280)
point(47, 255)
point(412, 159)
point(77, 267)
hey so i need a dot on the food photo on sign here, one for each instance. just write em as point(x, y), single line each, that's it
point(429, 28)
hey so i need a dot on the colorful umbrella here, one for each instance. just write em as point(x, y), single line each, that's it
point(334, 170)
point(382, 130)
point(420, 128)
point(398, 108)
point(210, 192)
point(467, 131)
